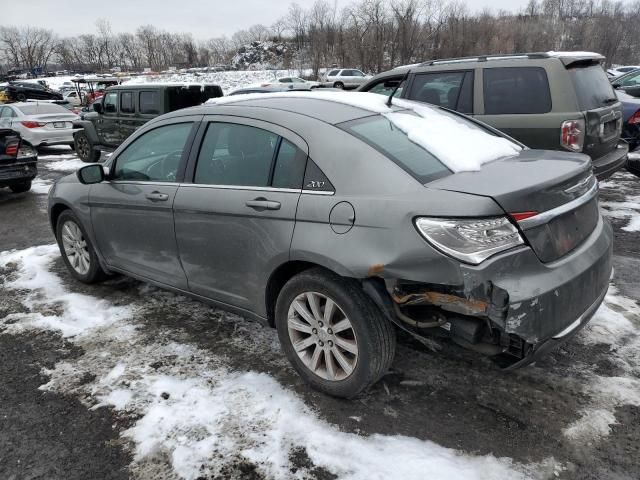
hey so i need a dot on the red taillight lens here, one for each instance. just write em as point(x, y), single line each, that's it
point(30, 124)
point(635, 119)
point(572, 135)
point(519, 216)
point(12, 149)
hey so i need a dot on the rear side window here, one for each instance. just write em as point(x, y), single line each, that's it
point(126, 102)
point(149, 102)
point(516, 90)
point(592, 86)
point(392, 142)
point(452, 90)
point(234, 154)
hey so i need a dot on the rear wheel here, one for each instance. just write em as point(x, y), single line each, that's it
point(21, 187)
point(333, 334)
point(77, 251)
point(84, 148)
point(338, 85)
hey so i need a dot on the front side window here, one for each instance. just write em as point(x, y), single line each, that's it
point(516, 90)
point(387, 86)
point(154, 156)
point(111, 102)
point(452, 90)
point(333, 73)
point(126, 102)
point(149, 103)
point(234, 154)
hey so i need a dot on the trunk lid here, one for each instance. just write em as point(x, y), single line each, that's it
point(558, 188)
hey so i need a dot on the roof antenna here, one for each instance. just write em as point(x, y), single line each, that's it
point(395, 89)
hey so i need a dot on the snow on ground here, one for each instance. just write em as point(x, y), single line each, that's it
point(41, 186)
point(628, 208)
point(197, 414)
point(616, 324)
point(60, 163)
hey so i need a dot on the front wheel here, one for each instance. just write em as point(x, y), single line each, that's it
point(333, 334)
point(77, 251)
point(84, 148)
point(339, 85)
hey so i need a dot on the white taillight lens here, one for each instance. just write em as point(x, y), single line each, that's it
point(572, 135)
point(470, 240)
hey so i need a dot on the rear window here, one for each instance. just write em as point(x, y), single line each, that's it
point(384, 136)
point(516, 90)
point(592, 86)
point(40, 108)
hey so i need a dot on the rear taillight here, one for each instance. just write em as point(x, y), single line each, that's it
point(572, 135)
point(30, 124)
point(635, 119)
point(12, 148)
point(519, 216)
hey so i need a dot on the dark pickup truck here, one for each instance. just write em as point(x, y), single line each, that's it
point(125, 108)
point(18, 162)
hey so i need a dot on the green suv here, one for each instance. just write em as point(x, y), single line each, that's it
point(551, 101)
point(125, 108)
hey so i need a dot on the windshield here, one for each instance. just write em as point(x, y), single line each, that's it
point(392, 142)
point(39, 109)
point(592, 87)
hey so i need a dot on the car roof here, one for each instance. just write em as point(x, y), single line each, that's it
point(328, 107)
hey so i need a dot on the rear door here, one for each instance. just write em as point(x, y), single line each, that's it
point(129, 118)
point(517, 101)
point(131, 212)
point(235, 222)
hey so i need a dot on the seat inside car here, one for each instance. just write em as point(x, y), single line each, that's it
point(429, 95)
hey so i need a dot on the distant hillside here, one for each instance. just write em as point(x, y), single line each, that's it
point(262, 55)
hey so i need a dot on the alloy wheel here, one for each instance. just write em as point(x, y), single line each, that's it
point(75, 248)
point(82, 147)
point(322, 336)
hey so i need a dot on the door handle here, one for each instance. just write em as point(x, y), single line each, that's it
point(263, 204)
point(157, 197)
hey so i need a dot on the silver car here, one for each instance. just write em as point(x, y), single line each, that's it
point(318, 214)
point(39, 123)
point(345, 78)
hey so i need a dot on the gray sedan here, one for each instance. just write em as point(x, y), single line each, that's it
point(338, 219)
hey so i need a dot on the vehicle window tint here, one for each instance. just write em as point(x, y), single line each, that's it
point(149, 102)
point(155, 156)
point(357, 73)
point(126, 102)
point(233, 154)
point(516, 90)
point(347, 73)
point(285, 80)
point(592, 86)
point(384, 136)
point(444, 89)
point(630, 81)
point(289, 168)
point(111, 102)
point(333, 73)
point(386, 87)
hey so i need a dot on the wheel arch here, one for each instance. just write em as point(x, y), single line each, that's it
point(89, 128)
point(55, 212)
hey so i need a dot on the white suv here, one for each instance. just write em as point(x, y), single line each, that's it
point(345, 78)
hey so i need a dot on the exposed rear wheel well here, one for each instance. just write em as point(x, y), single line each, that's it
point(55, 214)
point(277, 280)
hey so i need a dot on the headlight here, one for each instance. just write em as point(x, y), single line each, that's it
point(470, 240)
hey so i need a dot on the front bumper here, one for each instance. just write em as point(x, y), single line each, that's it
point(607, 165)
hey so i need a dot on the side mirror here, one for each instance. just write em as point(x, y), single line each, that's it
point(97, 107)
point(91, 174)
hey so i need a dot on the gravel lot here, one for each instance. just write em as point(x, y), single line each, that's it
point(122, 380)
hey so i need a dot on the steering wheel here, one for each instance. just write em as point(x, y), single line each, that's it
point(170, 164)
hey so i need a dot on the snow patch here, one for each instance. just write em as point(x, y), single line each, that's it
point(41, 186)
point(62, 163)
point(195, 412)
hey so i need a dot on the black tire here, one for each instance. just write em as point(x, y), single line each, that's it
point(375, 335)
point(21, 187)
point(84, 148)
point(338, 85)
point(21, 97)
point(95, 273)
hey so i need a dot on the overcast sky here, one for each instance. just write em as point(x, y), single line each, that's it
point(204, 19)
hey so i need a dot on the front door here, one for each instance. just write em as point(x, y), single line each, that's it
point(131, 212)
point(235, 222)
point(107, 122)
